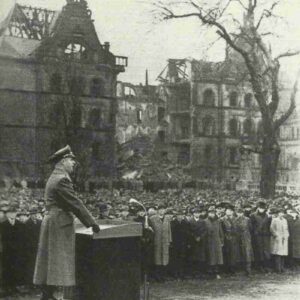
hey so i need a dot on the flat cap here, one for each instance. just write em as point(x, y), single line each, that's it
point(60, 154)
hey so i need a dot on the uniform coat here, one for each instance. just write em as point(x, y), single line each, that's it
point(261, 236)
point(162, 239)
point(12, 258)
point(32, 229)
point(198, 239)
point(243, 230)
point(295, 237)
point(279, 236)
point(231, 247)
point(215, 242)
point(55, 262)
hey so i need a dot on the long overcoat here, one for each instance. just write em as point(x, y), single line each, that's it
point(244, 241)
point(162, 239)
point(12, 259)
point(295, 237)
point(55, 262)
point(215, 242)
point(198, 234)
point(279, 236)
point(231, 248)
point(261, 236)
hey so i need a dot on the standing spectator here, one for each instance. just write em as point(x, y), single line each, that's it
point(231, 250)
point(279, 238)
point(215, 242)
point(198, 242)
point(146, 244)
point(11, 229)
point(3, 211)
point(161, 226)
point(295, 237)
point(178, 251)
point(32, 232)
point(243, 230)
point(261, 236)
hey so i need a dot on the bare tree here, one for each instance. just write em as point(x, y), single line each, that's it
point(246, 39)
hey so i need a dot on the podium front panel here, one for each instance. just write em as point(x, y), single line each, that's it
point(108, 266)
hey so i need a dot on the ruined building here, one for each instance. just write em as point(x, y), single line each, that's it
point(57, 86)
point(211, 112)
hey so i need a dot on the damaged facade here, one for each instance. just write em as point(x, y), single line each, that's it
point(57, 87)
point(211, 112)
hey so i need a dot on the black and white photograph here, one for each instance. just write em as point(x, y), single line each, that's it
point(149, 149)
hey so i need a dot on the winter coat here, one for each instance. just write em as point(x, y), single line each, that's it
point(261, 236)
point(55, 262)
point(162, 239)
point(215, 242)
point(244, 241)
point(279, 236)
point(231, 247)
point(198, 234)
point(295, 237)
point(12, 256)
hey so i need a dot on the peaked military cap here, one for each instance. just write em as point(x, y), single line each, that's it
point(60, 154)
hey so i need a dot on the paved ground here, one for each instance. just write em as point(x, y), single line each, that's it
point(261, 287)
point(266, 287)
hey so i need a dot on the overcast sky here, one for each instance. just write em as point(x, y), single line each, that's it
point(128, 25)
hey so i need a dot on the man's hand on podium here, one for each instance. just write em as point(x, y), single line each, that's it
point(96, 228)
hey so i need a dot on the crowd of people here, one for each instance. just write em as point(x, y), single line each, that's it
point(187, 233)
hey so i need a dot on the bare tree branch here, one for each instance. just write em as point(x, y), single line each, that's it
point(267, 13)
point(287, 54)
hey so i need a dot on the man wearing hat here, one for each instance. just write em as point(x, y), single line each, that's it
point(215, 242)
point(55, 262)
point(231, 251)
point(178, 251)
point(33, 226)
point(161, 225)
point(198, 242)
point(261, 236)
point(3, 210)
point(279, 238)
point(12, 257)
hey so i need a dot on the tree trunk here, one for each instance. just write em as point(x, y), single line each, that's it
point(269, 161)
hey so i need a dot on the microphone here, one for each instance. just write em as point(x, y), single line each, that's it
point(134, 201)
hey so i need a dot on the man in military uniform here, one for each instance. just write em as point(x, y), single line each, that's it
point(55, 262)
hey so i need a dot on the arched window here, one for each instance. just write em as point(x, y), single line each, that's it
point(233, 155)
point(233, 127)
point(248, 127)
point(183, 157)
point(161, 136)
point(208, 153)
point(208, 125)
point(97, 87)
point(161, 111)
point(95, 118)
point(96, 151)
point(248, 100)
point(56, 83)
point(76, 51)
point(233, 99)
point(209, 98)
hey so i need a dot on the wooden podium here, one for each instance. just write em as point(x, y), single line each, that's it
point(108, 263)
